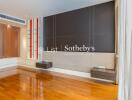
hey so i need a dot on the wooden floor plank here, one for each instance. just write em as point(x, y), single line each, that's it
point(29, 85)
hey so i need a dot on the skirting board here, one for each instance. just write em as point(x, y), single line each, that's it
point(8, 62)
point(71, 72)
point(8, 71)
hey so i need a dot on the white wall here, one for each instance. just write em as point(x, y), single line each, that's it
point(79, 61)
point(24, 59)
point(23, 45)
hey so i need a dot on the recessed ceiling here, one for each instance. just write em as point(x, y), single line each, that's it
point(27, 8)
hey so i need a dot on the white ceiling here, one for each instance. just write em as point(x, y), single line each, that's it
point(26, 8)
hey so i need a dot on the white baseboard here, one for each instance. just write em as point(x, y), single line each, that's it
point(8, 62)
point(71, 72)
point(75, 73)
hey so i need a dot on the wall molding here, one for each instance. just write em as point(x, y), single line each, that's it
point(8, 62)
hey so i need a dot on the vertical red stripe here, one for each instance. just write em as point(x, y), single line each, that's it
point(31, 38)
point(37, 40)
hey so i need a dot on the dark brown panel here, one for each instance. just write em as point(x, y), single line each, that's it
point(49, 33)
point(91, 26)
point(103, 24)
point(72, 28)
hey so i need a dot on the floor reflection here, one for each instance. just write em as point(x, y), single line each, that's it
point(28, 85)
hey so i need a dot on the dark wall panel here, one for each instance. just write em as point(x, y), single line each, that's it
point(91, 26)
point(48, 33)
point(72, 28)
point(103, 27)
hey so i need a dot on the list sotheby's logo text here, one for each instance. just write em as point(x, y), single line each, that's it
point(74, 48)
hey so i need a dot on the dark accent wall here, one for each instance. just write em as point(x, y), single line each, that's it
point(91, 26)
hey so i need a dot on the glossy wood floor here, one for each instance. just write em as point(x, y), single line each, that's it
point(28, 85)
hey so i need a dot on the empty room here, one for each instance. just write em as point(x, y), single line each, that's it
point(65, 50)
